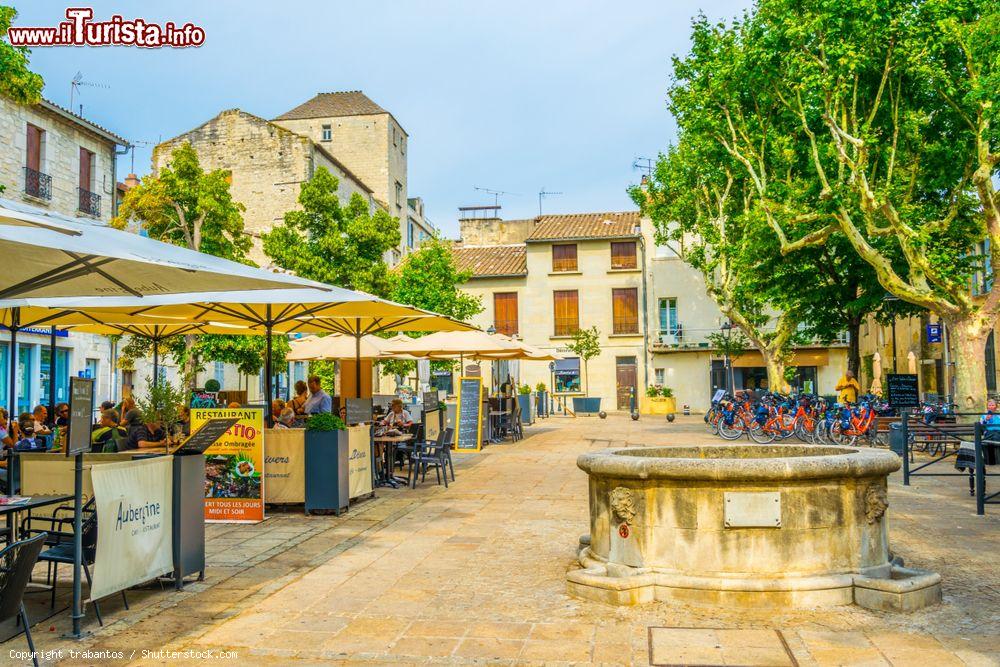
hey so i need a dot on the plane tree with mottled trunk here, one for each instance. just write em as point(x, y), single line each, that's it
point(875, 123)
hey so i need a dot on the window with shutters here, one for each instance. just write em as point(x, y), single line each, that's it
point(625, 306)
point(567, 312)
point(505, 312)
point(623, 255)
point(36, 183)
point(564, 257)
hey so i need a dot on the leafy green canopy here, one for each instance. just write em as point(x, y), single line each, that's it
point(17, 82)
point(328, 242)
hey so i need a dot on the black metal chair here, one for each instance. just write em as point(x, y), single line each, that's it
point(17, 560)
point(436, 455)
point(62, 554)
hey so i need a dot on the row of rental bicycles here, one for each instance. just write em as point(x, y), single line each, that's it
point(812, 419)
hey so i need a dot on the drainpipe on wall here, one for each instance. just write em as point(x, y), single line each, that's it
point(645, 313)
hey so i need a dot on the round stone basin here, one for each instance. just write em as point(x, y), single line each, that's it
point(734, 523)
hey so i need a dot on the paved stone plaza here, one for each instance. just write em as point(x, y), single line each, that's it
point(476, 573)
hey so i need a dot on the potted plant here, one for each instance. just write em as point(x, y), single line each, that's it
point(541, 394)
point(586, 345)
point(658, 401)
point(162, 405)
point(326, 463)
point(524, 403)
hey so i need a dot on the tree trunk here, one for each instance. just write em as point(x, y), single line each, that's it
point(190, 363)
point(968, 340)
point(854, 346)
point(586, 378)
point(775, 363)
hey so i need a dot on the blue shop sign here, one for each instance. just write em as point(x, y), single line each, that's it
point(42, 331)
point(933, 333)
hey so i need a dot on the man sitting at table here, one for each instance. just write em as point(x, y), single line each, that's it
point(286, 419)
point(29, 442)
point(397, 417)
point(319, 400)
point(143, 434)
point(41, 416)
point(107, 432)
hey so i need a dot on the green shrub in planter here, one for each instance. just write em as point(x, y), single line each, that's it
point(212, 385)
point(524, 389)
point(325, 421)
point(652, 391)
point(541, 388)
point(667, 392)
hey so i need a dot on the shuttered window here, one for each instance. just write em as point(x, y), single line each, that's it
point(34, 157)
point(86, 169)
point(623, 255)
point(567, 312)
point(564, 257)
point(625, 307)
point(505, 312)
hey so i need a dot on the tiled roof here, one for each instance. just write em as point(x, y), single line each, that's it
point(585, 226)
point(497, 260)
point(325, 105)
point(80, 120)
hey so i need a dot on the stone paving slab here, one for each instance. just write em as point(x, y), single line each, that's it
point(475, 574)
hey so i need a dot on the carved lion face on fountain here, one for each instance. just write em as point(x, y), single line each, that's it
point(876, 502)
point(623, 504)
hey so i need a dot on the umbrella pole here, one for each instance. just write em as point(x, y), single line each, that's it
point(77, 543)
point(268, 379)
point(357, 360)
point(15, 324)
point(52, 375)
point(156, 360)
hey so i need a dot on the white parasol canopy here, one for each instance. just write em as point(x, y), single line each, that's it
point(876, 387)
point(339, 347)
point(52, 255)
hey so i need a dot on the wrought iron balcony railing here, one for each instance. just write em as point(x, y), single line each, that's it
point(37, 184)
point(90, 203)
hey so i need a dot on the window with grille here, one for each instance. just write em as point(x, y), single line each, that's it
point(505, 312)
point(623, 255)
point(625, 307)
point(567, 312)
point(564, 257)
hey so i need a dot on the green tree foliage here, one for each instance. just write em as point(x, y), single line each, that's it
point(328, 242)
point(187, 206)
point(17, 82)
point(867, 126)
point(586, 345)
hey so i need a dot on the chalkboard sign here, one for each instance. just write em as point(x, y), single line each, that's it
point(81, 411)
point(359, 411)
point(206, 436)
point(430, 400)
point(902, 390)
point(470, 414)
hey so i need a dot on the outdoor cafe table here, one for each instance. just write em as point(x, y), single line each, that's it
point(11, 510)
point(389, 457)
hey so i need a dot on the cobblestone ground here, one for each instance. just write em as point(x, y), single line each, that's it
point(476, 573)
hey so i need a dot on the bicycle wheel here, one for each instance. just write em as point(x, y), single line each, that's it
point(730, 431)
point(762, 435)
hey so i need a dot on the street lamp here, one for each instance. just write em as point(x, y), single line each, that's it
point(727, 332)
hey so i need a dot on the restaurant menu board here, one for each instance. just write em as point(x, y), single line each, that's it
point(359, 410)
point(81, 409)
point(430, 400)
point(469, 419)
point(902, 390)
point(206, 436)
point(234, 466)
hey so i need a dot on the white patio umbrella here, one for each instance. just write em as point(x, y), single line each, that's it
point(911, 363)
point(339, 347)
point(876, 387)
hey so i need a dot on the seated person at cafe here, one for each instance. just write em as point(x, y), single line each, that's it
point(107, 434)
point(41, 416)
point(286, 419)
point(184, 419)
point(30, 441)
point(143, 434)
point(319, 400)
point(62, 414)
point(277, 407)
point(298, 402)
point(233, 405)
point(397, 417)
point(127, 406)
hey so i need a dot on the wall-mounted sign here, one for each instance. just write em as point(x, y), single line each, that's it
point(934, 333)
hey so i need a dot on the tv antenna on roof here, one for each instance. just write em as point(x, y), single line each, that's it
point(541, 195)
point(647, 167)
point(496, 194)
point(77, 82)
point(138, 142)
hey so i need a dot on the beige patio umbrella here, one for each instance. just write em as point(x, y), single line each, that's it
point(876, 387)
point(450, 344)
point(340, 346)
point(911, 363)
point(307, 310)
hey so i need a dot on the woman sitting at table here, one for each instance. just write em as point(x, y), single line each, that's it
point(298, 402)
point(286, 419)
point(397, 417)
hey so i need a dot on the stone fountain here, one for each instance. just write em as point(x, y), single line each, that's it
point(752, 525)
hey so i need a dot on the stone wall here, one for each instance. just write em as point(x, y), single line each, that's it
point(268, 164)
point(60, 159)
point(494, 231)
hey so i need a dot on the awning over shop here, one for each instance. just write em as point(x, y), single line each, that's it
point(799, 358)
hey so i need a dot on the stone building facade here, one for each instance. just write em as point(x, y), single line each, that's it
point(651, 308)
point(56, 161)
point(267, 163)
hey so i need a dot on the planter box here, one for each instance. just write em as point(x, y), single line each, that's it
point(657, 405)
point(586, 405)
point(327, 481)
point(524, 404)
point(541, 404)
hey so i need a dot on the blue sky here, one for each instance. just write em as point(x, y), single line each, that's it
point(508, 95)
